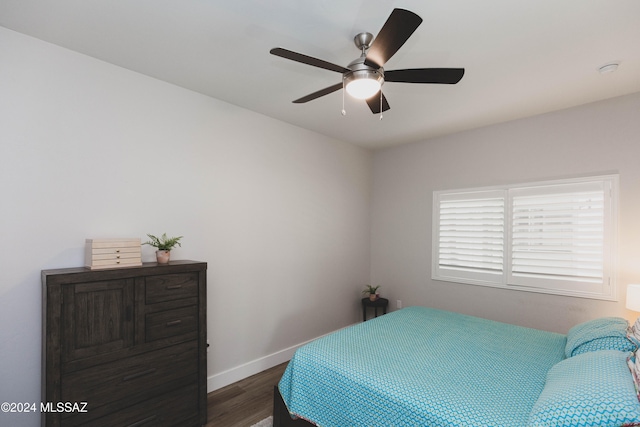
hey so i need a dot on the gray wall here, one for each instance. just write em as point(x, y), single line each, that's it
point(90, 150)
point(597, 138)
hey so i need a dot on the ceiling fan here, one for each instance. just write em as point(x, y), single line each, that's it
point(363, 77)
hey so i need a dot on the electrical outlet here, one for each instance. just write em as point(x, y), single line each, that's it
point(398, 303)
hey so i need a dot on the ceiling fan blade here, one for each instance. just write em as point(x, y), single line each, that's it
point(425, 75)
point(374, 103)
point(298, 57)
point(318, 94)
point(394, 33)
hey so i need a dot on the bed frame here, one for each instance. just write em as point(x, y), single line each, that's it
point(281, 417)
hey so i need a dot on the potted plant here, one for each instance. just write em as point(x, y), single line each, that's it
point(164, 245)
point(372, 291)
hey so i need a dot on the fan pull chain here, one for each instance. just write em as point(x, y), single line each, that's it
point(380, 104)
point(344, 112)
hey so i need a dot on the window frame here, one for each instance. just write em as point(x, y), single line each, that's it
point(604, 290)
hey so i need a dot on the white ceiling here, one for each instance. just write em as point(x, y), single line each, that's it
point(521, 57)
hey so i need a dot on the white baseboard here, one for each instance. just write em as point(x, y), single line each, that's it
point(243, 371)
point(230, 376)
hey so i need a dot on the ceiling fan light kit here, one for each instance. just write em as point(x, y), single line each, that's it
point(363, 84)
point(363, 78)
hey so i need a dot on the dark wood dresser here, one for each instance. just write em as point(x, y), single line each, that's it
point(125, 346)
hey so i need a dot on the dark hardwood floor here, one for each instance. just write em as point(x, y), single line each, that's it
point(244, 403)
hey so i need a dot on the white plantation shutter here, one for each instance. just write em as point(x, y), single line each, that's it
point(470, 235)
point(558, 236)
point(553, 237)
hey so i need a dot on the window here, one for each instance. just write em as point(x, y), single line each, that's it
point(554, 237)
point(471, 236)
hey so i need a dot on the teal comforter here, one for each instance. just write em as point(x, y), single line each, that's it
point(421, 367)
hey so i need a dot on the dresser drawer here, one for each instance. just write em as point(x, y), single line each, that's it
point(169, 287)
point(176, 408)
point(170, 323)
point(129, 378)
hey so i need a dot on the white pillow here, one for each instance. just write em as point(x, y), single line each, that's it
point(633, 333)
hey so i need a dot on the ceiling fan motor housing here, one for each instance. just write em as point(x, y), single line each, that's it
point(360, 70)
point(363, 81)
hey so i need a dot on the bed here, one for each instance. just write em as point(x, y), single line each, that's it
point(426, 367)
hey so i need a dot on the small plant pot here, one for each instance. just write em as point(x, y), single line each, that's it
point(373, 297)
point(163, 256)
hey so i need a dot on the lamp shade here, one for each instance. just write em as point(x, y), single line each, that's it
point(633, 297)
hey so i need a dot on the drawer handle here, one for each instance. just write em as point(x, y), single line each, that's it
point(117, 251)
point(139, 374)
point(174, 322)
point(143, 422)
point(174, 286)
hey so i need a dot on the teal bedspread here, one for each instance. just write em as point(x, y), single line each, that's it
point(421, 367)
